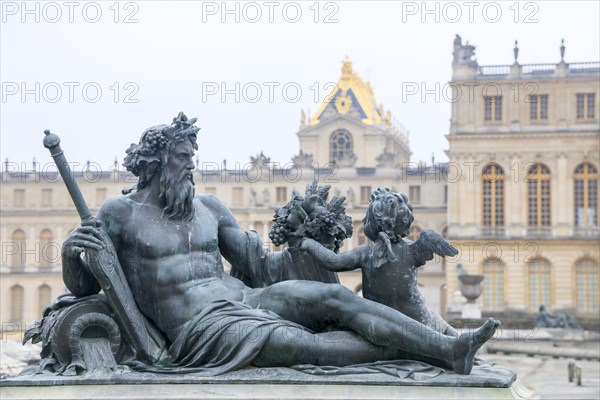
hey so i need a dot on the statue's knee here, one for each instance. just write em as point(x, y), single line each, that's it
point(340, 293)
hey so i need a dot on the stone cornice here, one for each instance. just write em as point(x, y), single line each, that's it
point(525, 135)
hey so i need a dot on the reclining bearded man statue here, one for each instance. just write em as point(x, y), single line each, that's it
point(169, 242)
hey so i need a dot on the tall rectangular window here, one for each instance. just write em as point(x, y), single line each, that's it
point(493, 196)
point(100, 196)
point(539, 284)
point(538, 195)
point(281, 194)
point(365, 194)
point(538, 107)
point(414, 194)
point(17, 299)
point(493, 285)
point(586, 197)
point(586, 103)
point(492, 108)
point(237, 196)
point(19, 198)
point(46, 197)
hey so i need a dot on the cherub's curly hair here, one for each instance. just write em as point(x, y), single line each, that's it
point(145, 158)
point(382, 205)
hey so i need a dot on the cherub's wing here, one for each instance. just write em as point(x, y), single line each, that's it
point(428, 244)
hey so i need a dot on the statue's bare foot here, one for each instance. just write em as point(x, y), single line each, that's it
point(469, 342)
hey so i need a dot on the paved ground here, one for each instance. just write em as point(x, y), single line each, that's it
point(546, 376)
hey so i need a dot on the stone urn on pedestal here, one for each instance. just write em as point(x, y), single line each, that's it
point(471, 289)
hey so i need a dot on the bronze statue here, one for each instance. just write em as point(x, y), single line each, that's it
point(545, 319)
point(168, 241)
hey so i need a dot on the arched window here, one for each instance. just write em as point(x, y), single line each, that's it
point(47, 251)
point(586, 198)
point(18, 239)
point(414, 233)
point(538, 196)
point(17, 297)
point(586, 271)
point(44, 298)
point(340, 146)
point(492, 178)
point(539, 284)
point(493, 285)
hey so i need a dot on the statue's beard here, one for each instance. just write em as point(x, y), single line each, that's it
point(177, 195)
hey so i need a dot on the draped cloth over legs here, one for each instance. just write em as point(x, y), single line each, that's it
point(225, 336)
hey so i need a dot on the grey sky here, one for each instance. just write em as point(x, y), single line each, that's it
point(174, 51)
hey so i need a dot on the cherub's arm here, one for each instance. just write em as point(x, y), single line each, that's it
point(347, 261)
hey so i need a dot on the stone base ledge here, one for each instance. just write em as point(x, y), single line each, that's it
point(261, 391)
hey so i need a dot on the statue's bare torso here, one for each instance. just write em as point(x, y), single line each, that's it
point(174, 268)
point(394, 283)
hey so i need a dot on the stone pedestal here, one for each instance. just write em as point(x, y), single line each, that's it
point(407, 379)
point(263, 391)
point(471, 311)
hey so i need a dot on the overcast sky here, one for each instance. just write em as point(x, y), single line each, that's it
point(152, 59)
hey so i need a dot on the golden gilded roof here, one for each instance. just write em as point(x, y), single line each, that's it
point(352, 96)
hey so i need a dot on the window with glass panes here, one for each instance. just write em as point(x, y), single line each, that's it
point(46, 197)
point(538, 195)
point(19, 198)
point(414, 194)
point(586, 196)
point(493, 285)
point(365, 194)
point(17, 298)
point(538, 107)
point(237, 194)
point(492, 108)
point(587, 286)
point(47, 248)
point(586, 103)
point(539, 284)
point(18, 240)
point(493, 195)
point(281, 194)
point(340, 145)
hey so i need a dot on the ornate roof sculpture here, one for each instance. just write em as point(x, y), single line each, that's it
point(351, 96)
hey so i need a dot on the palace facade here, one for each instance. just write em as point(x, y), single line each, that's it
point(523, 203)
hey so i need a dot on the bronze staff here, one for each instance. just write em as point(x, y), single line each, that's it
point(52, 143)
point(105, 267)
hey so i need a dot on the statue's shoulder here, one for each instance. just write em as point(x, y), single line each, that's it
point(116, 207)
point(210, 201)
point(217, 208)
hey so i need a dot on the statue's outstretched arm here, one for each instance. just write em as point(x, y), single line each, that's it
point(346, 261)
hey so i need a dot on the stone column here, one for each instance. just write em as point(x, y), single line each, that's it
point(560, 190)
